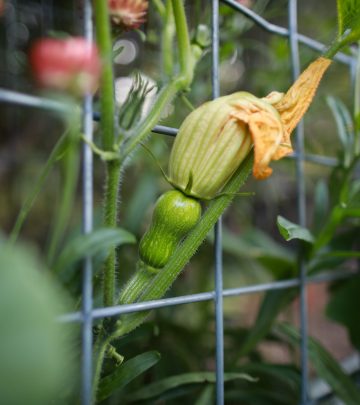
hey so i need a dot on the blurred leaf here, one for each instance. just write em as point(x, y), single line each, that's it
point(256, 245)
point(275, 372)
point(277, 384)
point(290, 231)
point(92, 244)
point(342, 241)
point(206, 397)
point(125, 373)
point(57, 152)
point(259, 396)
point(159, 388)
point(272, 304)
point(345, 127)
point(37, 361)
point(341, 308)
point(321, 205)
point(330, 227)
point(325, 365)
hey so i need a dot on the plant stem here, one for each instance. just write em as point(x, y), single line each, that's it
point(180, 82)
point(107, 103)
point(167, 40)
point(100, 352)
point(182, 35)
point(107, 110)
point(113, 174)
point(135, 286)
point(168, 274)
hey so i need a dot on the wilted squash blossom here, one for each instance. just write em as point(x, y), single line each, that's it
point(215, 138)
point(210, 146)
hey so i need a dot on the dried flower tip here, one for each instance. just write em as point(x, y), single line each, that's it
point(129, 14)
point(298, 98)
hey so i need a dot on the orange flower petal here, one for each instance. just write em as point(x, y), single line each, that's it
point(266, 131)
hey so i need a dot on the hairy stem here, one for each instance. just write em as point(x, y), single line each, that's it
point(167, 275)
point(135, 286)
point(113, 174)
point(107, 110)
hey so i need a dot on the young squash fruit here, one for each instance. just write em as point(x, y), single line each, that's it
point(174, 216)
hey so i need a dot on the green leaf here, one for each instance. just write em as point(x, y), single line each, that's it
point(92, 244)
point(125, 373)
point(159, 388)
point(326, 366)
point(348, 18)
point(38, 360)
point(342, 308)
point(348, 12)
point(289, 230)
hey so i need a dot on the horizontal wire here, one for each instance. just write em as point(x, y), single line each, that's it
point(15, 97)
point(284, 32)
point(207, 296)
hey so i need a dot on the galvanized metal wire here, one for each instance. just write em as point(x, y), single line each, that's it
point(88, 314)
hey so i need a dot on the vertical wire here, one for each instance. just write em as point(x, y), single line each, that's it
point(219, 315)
point(301, 205)
point(87, 207)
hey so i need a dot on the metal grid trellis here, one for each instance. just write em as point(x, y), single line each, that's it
point(88, 314)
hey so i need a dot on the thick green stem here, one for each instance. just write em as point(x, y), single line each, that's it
point(167, 40)
point(135, 286)
point(113, 174)
point(107, 98)
point(182, 35)
point(100, 350)
point(107, 110)
point(168, 274)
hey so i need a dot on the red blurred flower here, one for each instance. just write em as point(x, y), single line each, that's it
point(70, 64)
point(129, 14)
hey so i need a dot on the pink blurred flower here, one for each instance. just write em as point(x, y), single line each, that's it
point(71, 64)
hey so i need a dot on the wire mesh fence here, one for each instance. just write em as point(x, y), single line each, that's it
point(88, 313)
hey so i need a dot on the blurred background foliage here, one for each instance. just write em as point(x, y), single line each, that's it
point(254, 251)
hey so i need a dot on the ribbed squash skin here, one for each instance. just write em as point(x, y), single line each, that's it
point(174, 216)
